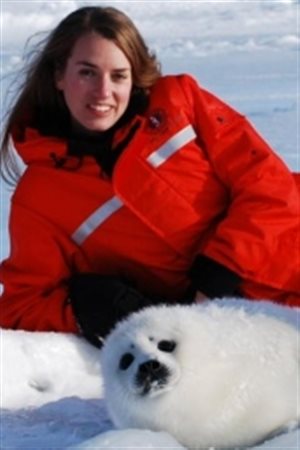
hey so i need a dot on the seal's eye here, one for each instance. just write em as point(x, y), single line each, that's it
point(166, 346)
point(126, 361)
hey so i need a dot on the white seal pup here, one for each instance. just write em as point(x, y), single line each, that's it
point(218, 374)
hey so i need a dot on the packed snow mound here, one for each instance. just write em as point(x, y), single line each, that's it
point(131, 439)
point(40, 367)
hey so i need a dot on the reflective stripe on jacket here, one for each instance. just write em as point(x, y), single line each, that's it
point(195, 178)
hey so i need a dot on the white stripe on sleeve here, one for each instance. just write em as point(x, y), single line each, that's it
point(177, 141)
point(96, 219)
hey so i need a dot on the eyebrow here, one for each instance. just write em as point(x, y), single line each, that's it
point(94, 66)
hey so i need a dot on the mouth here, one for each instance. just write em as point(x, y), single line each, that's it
point(152, 389)
point(100, 109)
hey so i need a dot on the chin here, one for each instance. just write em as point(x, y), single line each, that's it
point(94, 126)
point(220, 374)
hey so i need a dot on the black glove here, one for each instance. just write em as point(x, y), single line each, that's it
point(213, 279)
point(100, 301)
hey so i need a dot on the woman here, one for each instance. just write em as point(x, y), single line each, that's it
point(139, 189)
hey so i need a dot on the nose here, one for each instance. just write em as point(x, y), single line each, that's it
point(151, 367)
point(103, 86)
point(151, 374)
point(150, 371)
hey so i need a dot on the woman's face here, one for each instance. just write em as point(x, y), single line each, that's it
point(96, 82)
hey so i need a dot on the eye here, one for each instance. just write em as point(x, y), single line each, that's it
point(87, 72)
point(120, 76)
point(126, 361)
point(166, 346)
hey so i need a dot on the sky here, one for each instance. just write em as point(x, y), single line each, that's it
point(172, 28)
point(245, 51)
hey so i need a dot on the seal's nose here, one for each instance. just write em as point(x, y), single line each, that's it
point(151, 367)
point(151, 371)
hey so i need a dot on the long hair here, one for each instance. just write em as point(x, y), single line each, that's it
point(39, 103)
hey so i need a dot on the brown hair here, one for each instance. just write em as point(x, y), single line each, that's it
point(39, 102)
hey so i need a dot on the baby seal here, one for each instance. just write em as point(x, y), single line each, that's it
point(222, 374)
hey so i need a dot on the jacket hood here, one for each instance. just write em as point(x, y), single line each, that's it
point(34, 148)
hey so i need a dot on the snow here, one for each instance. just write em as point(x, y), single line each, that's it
point(52, 395)
point(131, 439)
point(245, 51)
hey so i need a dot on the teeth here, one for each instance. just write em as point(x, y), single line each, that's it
point(100, 108)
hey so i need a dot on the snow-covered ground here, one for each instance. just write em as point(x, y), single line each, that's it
point(51, 395)
point(245, 51)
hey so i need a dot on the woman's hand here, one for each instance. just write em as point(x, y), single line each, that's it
point(99, 302)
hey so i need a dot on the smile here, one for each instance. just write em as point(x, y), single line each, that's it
point(100, 108)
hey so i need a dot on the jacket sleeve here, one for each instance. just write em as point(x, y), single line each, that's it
point(264, 200)
point(35, 294)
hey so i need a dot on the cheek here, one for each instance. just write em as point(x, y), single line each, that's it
point(124, 95)
point(70, 84)
point(74, 86)
point(74, 92)
point(123, 91)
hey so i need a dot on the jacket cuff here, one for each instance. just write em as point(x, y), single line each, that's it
point(213, 279)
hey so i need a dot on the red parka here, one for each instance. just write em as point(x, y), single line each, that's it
point(196, 178)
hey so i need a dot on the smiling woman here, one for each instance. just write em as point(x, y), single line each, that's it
point(147, 189)
point(96, 83)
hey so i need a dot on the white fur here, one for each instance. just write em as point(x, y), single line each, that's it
point(234, 374)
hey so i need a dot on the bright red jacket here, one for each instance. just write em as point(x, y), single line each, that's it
point(195, 178)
